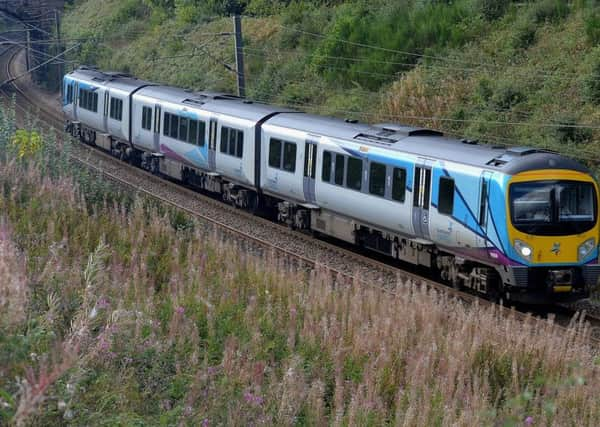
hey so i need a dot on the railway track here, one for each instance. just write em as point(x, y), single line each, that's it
point(255, 233)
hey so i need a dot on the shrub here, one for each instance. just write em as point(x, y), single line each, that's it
point(592, 28)
point(592, 81)
point(550, 11)
point(492, 9)
point(568, 132)
point(507, 95)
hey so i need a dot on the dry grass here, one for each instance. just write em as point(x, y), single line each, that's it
point(126, 321)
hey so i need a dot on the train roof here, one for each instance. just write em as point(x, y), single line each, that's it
point(214, 102)
point(116, 80)
point(429, 144)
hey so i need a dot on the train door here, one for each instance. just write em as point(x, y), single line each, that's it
point(106, 104)
point(75, 100)
point(157, 119)
point(212, 146)
point(421, 200)
point(310, 168)
point(483, 210)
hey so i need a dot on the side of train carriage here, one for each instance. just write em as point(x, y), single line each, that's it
point(516, 223)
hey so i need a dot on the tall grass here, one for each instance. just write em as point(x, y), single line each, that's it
point(117, 316)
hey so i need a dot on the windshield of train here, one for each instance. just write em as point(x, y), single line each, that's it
point(553, 208)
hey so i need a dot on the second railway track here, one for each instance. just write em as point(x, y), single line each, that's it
point(255, 231)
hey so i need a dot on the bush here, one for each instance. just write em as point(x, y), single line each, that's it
point(592, 82)
point(592, 28)
point(550, 11)
point(567, 132)
point(507, 95)
point(492, 9)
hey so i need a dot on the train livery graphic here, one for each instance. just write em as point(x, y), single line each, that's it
point(514, 223)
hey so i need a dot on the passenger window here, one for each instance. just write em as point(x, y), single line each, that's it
point(289, 157)
point(354, 173)
point(183, 129)
point(446, 199)
point(193, 134)
point(224, 139)
point(146, 118)
point(399, 184)
point(377, 179)
point(339, 169)
point(232, 141)
point(240, 143)
point(201, 133)
point(326, 171)
point(275, 153)
point(174, 126)
point(167, 127)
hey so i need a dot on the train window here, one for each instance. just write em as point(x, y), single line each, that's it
point(483, 203)
point(232, 141)
point(339, 169)
point(275, 153)
point(69, 93)
point(354, 173)
point(240, 143)
point(193, 133)
point(399, 184)
point(88, 100)
point(326, 171)
point(224, 139)
point(116, 109)
point(167, 128)
point(183, 129)
point(289, 157)
point(201, 133)
point(377, 179)
point(174, 126)
point(446, 198)
point(146, 118)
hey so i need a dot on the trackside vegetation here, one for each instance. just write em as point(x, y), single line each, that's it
point(503, 72)
point(117, 311)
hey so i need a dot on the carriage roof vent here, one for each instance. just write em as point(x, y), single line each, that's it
point(352, 121)
point(524, 151)
point(98, 79)
point(193, 101)
point(425, 132)
point(377, 139)
point(470, 141)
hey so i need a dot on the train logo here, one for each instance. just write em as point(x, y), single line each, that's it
point(555, 248)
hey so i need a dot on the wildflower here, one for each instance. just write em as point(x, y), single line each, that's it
point(253, 399)
point(529, 420)
point(205, 422)
point(103, 303)
point(180, 310)
point(61, 405)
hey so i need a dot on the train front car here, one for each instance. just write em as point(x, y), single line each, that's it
point(552, 231)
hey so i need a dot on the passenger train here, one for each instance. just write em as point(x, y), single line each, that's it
point(520, 224)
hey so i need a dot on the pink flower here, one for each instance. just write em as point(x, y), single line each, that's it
point(180, 310)
point(205, 422)
point(529, 421)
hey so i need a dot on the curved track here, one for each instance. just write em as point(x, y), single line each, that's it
point(257, 234)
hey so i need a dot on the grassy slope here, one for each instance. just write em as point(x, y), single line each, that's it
point(116, 312)
point(531, 67)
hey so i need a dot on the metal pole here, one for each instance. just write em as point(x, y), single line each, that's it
point(28, 51)
point(58, 46)
point(239, 56)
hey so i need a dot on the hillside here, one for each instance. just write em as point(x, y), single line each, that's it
point(115, 311)
point(500, 71)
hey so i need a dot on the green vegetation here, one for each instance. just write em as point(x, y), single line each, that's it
point(116, 311)
point(515, 73)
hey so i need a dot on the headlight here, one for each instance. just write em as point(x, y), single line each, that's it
point(523, 249)
point(585, 248)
